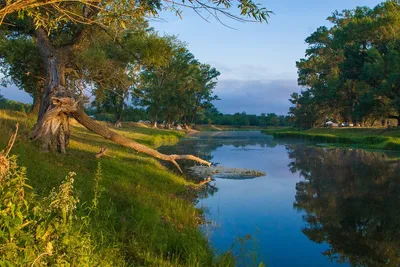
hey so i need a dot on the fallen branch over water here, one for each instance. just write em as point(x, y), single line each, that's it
point(53, 120)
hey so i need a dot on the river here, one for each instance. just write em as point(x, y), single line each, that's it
point(316, 206)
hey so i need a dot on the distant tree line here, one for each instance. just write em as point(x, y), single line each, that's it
point(351, 72)
point(209, 116)
point(213, 116)
point(14, 105)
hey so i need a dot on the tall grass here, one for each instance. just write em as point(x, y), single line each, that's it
point(143, 212)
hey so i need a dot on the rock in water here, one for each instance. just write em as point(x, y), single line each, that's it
point(225, 173)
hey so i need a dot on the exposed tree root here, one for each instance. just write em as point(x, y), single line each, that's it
point(51, 123)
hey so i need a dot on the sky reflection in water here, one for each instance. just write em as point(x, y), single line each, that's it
point(315, 207)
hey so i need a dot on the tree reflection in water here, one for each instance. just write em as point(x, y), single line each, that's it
point(351, 200)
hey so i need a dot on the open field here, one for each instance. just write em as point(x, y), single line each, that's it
point(374, 138)
point(146, 212)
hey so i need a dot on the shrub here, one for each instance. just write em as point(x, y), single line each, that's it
point(44, 232)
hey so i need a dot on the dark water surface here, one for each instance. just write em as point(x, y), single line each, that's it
point(315, 207)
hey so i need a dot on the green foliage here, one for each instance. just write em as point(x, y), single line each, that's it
point(180, 90)
point(243, 119)
point(350, 72)
point(118, 14)
point(21, 65)
point(13, 105)
point(43, 231)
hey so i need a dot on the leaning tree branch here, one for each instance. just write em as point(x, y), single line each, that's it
point(51, 122)
point(11, 141)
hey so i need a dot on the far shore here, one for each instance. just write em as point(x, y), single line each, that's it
point(370, 138)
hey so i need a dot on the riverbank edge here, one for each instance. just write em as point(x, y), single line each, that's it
point(159, 224)
point(370, 138)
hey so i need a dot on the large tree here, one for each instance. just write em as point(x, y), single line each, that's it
point(179, 90)
point(351, 70)
point(62, 26)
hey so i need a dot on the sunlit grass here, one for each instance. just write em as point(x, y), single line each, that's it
point(145, 210)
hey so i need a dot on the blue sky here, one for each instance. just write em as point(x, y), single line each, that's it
point(257, 61)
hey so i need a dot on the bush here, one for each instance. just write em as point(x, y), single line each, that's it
point(44, 232)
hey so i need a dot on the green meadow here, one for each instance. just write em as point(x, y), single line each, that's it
point(146, 214)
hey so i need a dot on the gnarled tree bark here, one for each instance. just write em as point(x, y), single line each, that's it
point(55, 87)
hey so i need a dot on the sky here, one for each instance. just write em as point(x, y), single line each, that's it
point(257, 61)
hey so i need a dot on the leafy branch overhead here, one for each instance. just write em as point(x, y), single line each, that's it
point(120, 14)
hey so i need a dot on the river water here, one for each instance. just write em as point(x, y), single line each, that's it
point(315, 207)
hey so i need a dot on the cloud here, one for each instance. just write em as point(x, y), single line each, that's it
point(255, 96)
point(246, 72)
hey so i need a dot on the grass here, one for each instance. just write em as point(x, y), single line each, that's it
point(146, 212)
point(372, 138)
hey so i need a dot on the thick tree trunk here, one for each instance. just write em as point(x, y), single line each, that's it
point(59, 139)
point(155, 121)
point(168, 122)
point(55, 62)
point(36, 103)
point(193, 115)
point(184, 123)
point(119, 115)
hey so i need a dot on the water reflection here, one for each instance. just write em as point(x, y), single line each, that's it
point(346, 207)
point(352, 202)
point(203, 144)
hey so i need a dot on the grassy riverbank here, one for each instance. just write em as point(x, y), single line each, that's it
point(146, 213)
point(373, 138)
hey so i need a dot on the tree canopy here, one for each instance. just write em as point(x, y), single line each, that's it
point(104, 44)
point(351, 70)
